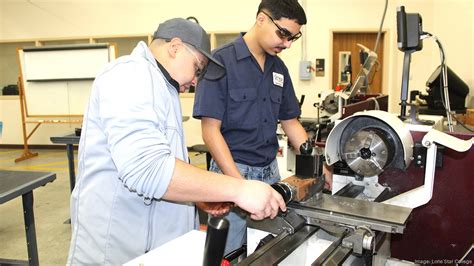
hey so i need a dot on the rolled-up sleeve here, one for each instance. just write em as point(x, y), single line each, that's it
point(134, 124)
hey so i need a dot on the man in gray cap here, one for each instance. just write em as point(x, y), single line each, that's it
point(135, 189)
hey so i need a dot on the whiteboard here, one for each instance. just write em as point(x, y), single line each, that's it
point(64, 62)
point(57, 80)
point(57, 98)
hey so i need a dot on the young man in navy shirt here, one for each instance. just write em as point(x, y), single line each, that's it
point(239, 112)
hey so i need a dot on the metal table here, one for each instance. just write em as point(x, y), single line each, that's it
point(22, 183)
point(69, 140)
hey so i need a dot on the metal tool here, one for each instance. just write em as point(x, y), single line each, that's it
point(322, 229)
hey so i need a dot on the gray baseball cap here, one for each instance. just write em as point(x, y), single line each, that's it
point(193, 34)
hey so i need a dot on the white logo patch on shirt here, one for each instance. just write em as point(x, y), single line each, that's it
point(278, 79)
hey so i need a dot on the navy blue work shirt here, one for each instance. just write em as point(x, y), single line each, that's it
point(248, 102)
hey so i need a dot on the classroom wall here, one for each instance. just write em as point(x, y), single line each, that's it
point(451, 20)
point(453, 23)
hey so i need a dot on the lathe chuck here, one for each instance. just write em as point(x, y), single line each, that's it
point(368, 146)
point(367, 151)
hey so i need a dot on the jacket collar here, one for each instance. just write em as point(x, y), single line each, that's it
point(143, 51)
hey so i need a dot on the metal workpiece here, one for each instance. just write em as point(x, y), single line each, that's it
point(295, 188)
point(288, 222)
point(353, 212)
point(286, 190)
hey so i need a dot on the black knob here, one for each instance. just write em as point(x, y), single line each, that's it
point(306, 148)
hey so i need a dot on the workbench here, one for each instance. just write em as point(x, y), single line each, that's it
point(22, 183)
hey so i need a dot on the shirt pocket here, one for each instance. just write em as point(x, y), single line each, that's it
point(242, 108)
point(276, 95)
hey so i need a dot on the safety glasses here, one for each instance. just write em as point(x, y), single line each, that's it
point(199, 71)
point(283, 33)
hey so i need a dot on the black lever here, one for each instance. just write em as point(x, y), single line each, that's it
point(216, 237)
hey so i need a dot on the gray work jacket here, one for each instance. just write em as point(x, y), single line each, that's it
point(131, 134)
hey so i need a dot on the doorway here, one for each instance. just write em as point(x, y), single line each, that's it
point(347, 59)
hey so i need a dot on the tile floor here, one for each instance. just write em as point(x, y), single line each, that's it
point(51, 207)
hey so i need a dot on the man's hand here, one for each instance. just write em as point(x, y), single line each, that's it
point(260, 200)
point(327, 171)
point(215, 208)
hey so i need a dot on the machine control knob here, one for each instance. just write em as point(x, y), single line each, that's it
point(306, 148)
point(368, 242)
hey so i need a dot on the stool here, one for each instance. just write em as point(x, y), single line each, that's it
point(202, 148)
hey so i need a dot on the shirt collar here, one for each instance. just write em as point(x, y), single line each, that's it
point(242, 51)
point(168, 76)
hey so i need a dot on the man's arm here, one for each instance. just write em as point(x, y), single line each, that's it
point(190, 183)
point(212, 136)
point(297, 136)
point(295, 132)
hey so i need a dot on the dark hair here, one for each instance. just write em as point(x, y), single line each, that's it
point(289, 9)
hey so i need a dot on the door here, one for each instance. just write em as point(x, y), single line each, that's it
point(347, 60)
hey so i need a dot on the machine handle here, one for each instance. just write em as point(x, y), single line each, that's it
point(217, 229)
